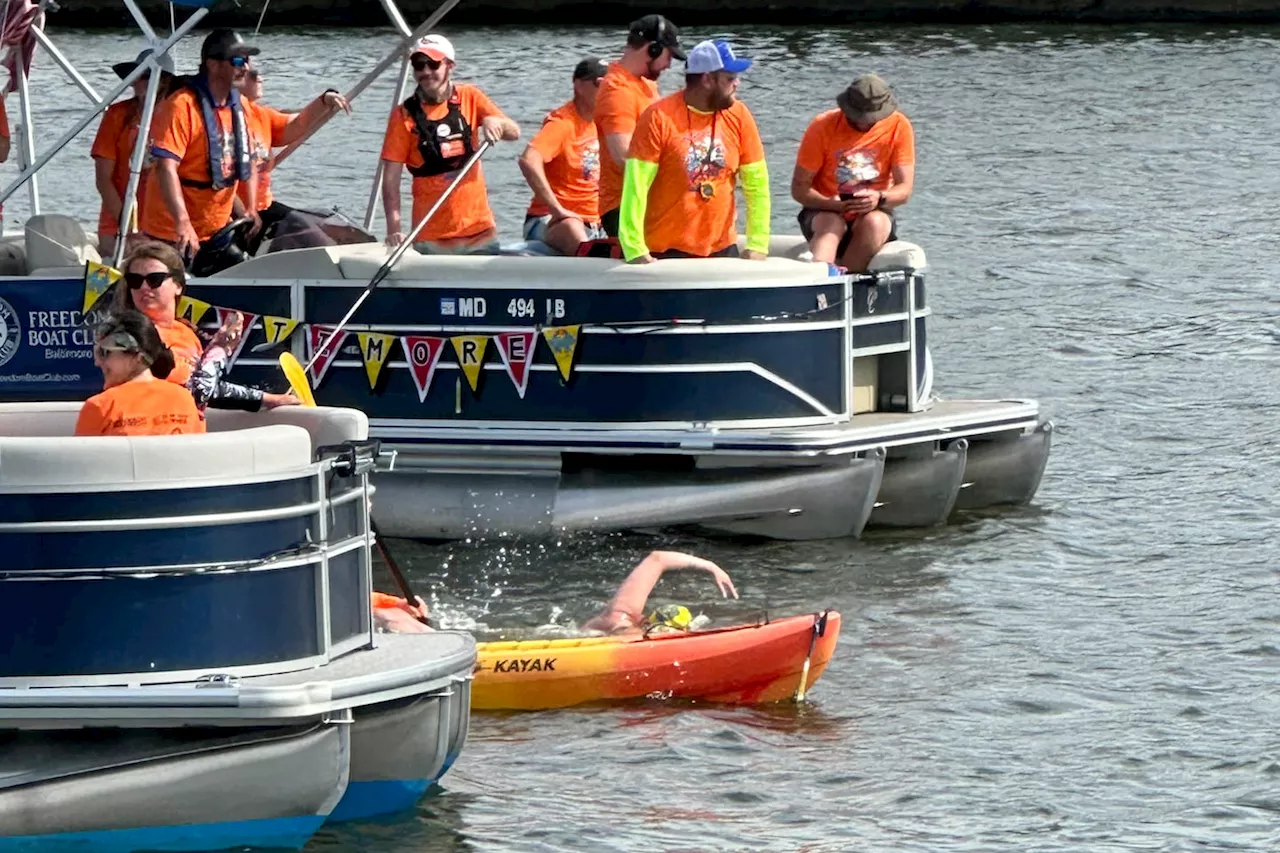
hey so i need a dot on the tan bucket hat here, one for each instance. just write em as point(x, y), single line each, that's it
point(868, 98)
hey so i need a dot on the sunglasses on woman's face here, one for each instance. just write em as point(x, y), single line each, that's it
point(421, 62)
point(153, 280)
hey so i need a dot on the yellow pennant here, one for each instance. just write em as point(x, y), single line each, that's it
point(374, 349)
point(192, 310)
point(563, 340)
point(470, 351)
point(277, 329)
point(98, 278)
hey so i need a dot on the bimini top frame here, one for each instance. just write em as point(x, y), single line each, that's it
point(34, 20)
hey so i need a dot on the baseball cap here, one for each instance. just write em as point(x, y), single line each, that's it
point(657, 28)
point(868, 98)
point(717, 55)
point(590, 68)
point(123, 69)
point(224, 43)
point(435, 46)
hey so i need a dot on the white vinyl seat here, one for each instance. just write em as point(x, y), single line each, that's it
point(54, 240)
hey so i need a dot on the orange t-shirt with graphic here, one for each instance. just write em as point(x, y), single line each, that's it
point(181, 136)
point(622, 98)
point(680, 140)
point(186, 347)
point(844, 159)
point(140, 408)
point(114, 141)
point(466, 212)
point(266, 131)
point(571, 155)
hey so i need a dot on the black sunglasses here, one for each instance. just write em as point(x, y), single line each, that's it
point(421, 62)
point(151, 279)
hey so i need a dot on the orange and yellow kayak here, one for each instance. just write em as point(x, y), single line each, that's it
point(743, 664)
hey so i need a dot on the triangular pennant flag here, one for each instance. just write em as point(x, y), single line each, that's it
point(470, 352)
point(249, 320)
point(317, 335)
point(192, 310)
point(563, 340)
point(277, 329)
point(423, 352)
point(374, 349)
point(516, 349)
point(98, 279)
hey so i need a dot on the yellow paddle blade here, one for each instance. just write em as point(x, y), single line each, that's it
point(297, 378)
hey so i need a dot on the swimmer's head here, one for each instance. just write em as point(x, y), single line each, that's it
point(673, 616)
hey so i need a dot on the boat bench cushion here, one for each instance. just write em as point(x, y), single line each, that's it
point(96, 461)
point(54, 240)
point(325, 424)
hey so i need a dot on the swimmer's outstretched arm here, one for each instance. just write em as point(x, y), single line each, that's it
point(627, 606)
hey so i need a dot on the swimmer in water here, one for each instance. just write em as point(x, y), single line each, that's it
point(624, 612)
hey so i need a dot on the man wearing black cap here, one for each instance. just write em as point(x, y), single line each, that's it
point(113, 147)
point(855, 166)
point(562, 166)
point(628, 87)
point(202, 151)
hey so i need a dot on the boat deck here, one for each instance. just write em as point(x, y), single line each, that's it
point(945, 420)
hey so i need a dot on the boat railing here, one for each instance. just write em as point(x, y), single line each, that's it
point(165, 559)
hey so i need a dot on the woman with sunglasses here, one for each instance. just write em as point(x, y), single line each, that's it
point(135, 399)
point(154, 278)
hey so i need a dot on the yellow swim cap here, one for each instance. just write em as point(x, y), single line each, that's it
point(671, 616)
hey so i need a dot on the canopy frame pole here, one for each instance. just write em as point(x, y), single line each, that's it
point(29, 171)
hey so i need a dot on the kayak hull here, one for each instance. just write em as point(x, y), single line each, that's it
point(743, 664)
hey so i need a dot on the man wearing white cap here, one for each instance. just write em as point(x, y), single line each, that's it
point(685, 160)
point(433, 134)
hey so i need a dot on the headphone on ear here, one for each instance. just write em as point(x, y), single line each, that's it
point(656, 46)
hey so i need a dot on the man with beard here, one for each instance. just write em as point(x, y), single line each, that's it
point(855, 166)
point(434, 133)
point(562, 166)
point(629, 86)
point(686, 156)
point(201, 151)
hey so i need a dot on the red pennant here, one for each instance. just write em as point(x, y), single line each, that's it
point(423, 353)
point(516, 349)
point(317, 335)
point(249, 320)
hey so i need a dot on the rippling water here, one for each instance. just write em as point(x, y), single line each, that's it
point(1096, 672)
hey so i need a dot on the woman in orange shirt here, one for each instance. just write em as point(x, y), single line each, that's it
point(113, 148)
point(135, 399)
point(154, 277)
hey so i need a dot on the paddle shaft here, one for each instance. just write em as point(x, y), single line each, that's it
point(401, 580)
point(813, 641)
point(405, 245)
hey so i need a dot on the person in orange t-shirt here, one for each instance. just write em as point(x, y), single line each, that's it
point(434, 134)
point(629, 86)
point(687, 155)
point(201, 154)
point(272, 128)
point(135, 399)
point(112, 149)
point(153, 281)
point(856, 164)
point(562, 166)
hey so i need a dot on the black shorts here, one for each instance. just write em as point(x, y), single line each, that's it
point(729, 251)
point(610, 222)
point(805, 218)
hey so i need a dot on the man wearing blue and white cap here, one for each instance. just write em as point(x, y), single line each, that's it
point(686, 156)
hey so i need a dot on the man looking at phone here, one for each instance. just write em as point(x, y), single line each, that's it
point(855, 166)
